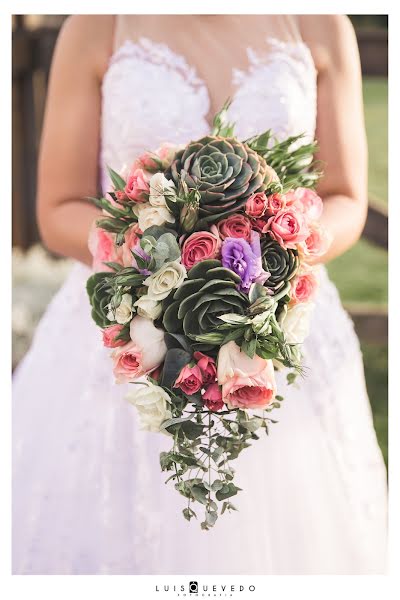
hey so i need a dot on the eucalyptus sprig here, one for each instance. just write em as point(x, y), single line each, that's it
point(204, 445)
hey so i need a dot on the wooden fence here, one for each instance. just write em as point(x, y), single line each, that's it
point(32, 53)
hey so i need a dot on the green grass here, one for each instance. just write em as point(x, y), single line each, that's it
point(375, 90)
point(361, 274)
point(376, 366)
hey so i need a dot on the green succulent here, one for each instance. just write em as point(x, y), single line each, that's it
point(209, 292)
point(225, 172)
point(106, 288)
point(281, 263)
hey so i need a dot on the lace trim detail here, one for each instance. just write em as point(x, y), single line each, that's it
point(158, 53)
point(282, 51)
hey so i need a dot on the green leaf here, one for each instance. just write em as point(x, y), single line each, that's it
point(199, 493)
point(175, 421)
point(188, 513)
point(192, 430)
point(227, 491)
point(118, 182)
point(211, 517)
point(217, 485)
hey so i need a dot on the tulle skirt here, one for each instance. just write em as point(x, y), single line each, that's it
point(89, 496)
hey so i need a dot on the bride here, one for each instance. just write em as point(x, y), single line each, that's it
point(88, 495)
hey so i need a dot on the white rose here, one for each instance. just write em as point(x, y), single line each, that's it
point(149, 215)
point(148, 308)
point(160, 187)
point(296, 323)
point(150, 341)
point(152, 403)
point(169, 277)
point(123, 313)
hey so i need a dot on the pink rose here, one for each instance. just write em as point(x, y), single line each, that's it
point(246, 382)
point(316, 244)
point(199, 246)
point(308, 202)
point(120, 194)
point(109, 335)
point(137, 187)
point(276, 203)
point(303, 287)
point(207, 367)
point(237, 226)
point(128, 363)
point(256, 205)
point(288, 227)
point(189, 380)
point(159, 160)
point(102, 247)
point(131, 240)
point(148, 161)
point(144, 353)
point(212, 397)
point(259, 225)
point(166, 153)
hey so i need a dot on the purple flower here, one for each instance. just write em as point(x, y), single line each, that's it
point(244, 259)
point(145, 258)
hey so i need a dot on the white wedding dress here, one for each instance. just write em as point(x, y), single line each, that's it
point(88, 494)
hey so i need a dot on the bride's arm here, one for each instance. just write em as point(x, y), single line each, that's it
point(68, 161)
point(340, 128)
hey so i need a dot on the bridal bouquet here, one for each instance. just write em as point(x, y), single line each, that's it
point(203, 288)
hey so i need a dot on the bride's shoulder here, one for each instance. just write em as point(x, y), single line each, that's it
point(331, 38)
point(89, 37)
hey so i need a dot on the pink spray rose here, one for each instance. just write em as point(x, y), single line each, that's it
point(144, 353)
point(246, 382)
point(307, 201)
point(237, 226)
point(131, 240)
point(288, 227)
point(199, 246)
point(207, 367)
point(316, 244)
point(102, 247)
point(120, 194)
point(259, 225)
point(137, 186)
point(109, 335)
point(303, 287)
point(166, 153)
point(161, 159)
point(190, 380)
point(256, 205)
point(276, 203)
point(212, 397)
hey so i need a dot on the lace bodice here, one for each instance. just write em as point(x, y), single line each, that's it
point(152, 95)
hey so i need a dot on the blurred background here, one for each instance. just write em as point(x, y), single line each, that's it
point(360, 274)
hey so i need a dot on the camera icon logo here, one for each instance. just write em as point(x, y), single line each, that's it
point(193, 587)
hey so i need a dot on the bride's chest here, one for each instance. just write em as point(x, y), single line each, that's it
point(151, 95)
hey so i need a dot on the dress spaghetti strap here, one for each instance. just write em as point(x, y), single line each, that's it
point(123, 28)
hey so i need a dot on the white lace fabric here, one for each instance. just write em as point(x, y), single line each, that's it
point(89, 497)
